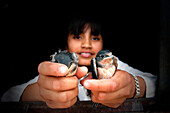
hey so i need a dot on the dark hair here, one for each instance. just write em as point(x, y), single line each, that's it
point(77, 24)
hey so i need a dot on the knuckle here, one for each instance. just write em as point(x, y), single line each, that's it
point(94, 99)
point(102, 96)
point(127, 93)
point(63, 98)
point(129, 78)
point(70, 103)
point(76, 80)
point(47, 68)
point(76, 91)
point(67, 105)
point(51, 68)
point(98, 86)
point(56, 85)
point(113, 86)
point(39, 67)
point(39, 81)
point(43, 95)
point(51, 104)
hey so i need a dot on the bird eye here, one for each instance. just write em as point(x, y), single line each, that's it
point(102, 55)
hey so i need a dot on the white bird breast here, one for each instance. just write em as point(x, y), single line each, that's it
point(109, 68)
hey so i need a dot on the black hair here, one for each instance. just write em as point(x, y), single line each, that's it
point(77, 25)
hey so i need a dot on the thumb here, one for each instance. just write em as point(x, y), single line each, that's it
point(81, 72)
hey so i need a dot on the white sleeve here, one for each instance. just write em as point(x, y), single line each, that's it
point(14, 93)
point(149, 79)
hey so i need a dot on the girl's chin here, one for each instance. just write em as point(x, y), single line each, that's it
point(84, 62)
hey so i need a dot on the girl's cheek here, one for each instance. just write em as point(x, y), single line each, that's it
point(97, 47)
point(72, 47)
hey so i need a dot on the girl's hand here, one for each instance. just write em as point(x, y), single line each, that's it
point(53, 87)
point(113, 92)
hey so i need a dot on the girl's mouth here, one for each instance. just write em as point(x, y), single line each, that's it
point(86, 54)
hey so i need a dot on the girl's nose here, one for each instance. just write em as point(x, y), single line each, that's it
point(86, 43)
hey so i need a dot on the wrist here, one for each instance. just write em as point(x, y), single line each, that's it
point(135, 87)
point(141, 87)
point(31, 93)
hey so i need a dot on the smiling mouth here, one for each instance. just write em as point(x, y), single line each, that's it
point(86, 54)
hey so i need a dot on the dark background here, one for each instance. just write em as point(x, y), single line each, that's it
point(134, 32)
point(36, 30)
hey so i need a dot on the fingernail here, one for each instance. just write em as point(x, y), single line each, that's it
point(86, 84)
point(63, 69)
point(85, 69)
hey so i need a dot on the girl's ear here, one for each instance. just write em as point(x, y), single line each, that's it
point(66, 47)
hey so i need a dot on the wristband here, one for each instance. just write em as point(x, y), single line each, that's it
point(137, 86)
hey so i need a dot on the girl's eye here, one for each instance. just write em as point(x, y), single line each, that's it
point(76, 37)
point(95, 38)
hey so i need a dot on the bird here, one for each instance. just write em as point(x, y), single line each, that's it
point(67, 58)
point(104, 65)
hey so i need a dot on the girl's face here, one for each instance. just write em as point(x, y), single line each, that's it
point(85, 45)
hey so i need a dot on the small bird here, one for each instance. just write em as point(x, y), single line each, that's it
point(104, 65)
point(67, 58)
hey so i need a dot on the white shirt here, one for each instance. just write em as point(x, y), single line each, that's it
point(14, 93)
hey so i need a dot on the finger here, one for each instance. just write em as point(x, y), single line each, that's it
point(54, 69)
point(57, 83)
point(122, 77)
point(61, 97)
point(106, 85)
point(107, 96)
point(112, 105)
point(53, 104)
point(88, 77)
point(119, 80)
point(81, 72)
point(117, 101)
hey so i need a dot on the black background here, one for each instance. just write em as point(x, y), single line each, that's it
point(36, 30)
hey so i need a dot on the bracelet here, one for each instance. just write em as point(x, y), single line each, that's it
point(137, 93)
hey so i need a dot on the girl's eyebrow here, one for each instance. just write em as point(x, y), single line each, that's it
point(95, 33)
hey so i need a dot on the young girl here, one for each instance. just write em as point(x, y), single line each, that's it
point(85, 38)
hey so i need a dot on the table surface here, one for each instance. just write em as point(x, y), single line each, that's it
point(130, 105)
